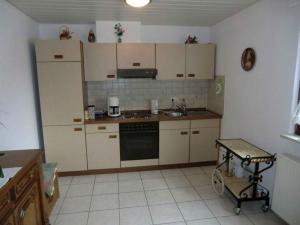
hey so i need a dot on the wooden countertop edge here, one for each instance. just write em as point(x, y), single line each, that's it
point(153, 119)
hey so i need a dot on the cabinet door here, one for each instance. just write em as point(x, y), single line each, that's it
point(9, 221)
point(61, 96)
point(66, 146)
point(203, 144)
point(100, 62)
point(170, 61)
point(28, 210)
point(173, 146)
point(135, 55)
point(58, 50)
point(200, 61)
point(103, 150)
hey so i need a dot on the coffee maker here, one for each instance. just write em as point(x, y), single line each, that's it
point(113, 106)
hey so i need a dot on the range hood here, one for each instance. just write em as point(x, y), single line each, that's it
point(136, 73)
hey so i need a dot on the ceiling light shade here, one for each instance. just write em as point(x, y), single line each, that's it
point(138, 3)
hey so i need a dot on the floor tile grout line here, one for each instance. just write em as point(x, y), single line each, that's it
point(148, 206)
point(201, 197)
point(184, 220)
point(63, 200)
point(91, 201)
point(119, 201)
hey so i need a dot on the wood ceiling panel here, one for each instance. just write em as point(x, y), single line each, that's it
point(159, 12)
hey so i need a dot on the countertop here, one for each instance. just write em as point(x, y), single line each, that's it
point(205, 114)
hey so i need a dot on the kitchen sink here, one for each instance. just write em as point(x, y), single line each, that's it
point(174, 114)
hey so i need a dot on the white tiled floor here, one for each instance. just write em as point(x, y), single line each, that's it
point(170, 197)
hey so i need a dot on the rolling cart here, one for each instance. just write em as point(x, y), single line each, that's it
point(243, 189)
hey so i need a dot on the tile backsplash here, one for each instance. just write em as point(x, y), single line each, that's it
point(135, 94)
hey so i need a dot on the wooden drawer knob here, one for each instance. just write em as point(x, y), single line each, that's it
point(196, 132)
point(111, 76)
point(77, 120)
point(184, 133)
point(191, 75)
point(179, 75)
point(112, 136)
point(101, 128)
point(78, 129)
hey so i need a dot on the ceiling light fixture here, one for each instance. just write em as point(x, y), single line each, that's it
point(137, 3)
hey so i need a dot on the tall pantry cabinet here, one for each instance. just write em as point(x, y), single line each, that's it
point(60, 78)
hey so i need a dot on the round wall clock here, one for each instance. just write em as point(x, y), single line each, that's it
point(248, 59)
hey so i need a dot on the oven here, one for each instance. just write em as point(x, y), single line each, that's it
point(139, 141)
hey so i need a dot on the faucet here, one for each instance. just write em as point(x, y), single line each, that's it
point(182, 106)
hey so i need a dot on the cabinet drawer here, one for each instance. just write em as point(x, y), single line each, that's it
point(205, 123)
point(5, 205)
point(174, 125)
point(58, 50)
point(27, 180)
point(9, 221)
point(102, 128)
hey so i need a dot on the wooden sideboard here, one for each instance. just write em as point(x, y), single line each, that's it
point(21, 198)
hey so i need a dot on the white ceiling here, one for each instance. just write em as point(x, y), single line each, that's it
point(159, 12)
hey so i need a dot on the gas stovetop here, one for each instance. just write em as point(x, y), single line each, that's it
point(137, 114)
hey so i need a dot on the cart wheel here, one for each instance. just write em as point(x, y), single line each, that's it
point(237, 211)
point(265, 208)
point(217, 182)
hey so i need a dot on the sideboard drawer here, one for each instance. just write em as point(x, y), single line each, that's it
point(5, 205)
point(27, 180)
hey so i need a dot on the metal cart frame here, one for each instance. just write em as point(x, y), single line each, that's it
point(246, 194)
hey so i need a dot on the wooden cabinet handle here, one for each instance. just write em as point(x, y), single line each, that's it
point(58, 56)
point(101, 128)
point(136, 64)
point(179, 75)
point(112, 136)
point(78, 129)
point(184, 133)
point(191, 75)
point(196, 132)
point(111, 76)
point(77, 120)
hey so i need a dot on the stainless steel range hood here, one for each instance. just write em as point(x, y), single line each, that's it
point(136, 73)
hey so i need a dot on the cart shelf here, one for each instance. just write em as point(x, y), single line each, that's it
point(244, 189)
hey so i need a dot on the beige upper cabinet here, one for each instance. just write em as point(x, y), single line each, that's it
point(100, 61)
point(135, 55)
point(66, 146)
point(174, 137)
point(170, 61)
point(200, 61)
point(58, 51)
point(204, 134)
point(61, 93)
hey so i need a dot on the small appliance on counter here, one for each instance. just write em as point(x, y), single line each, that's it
point(113, 106)
point(154, 106)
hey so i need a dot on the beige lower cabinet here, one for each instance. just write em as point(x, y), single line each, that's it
point(174, 137)
point(203, 140)
point(66, 146)
point(103, 146)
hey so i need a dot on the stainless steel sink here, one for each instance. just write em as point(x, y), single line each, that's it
point(174, 114)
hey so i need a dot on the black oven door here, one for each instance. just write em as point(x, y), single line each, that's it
point(139, 144)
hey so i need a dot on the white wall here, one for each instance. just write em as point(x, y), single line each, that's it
point(80, 31)
point(18, 111)
point(135, 32)
point(258, 103)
